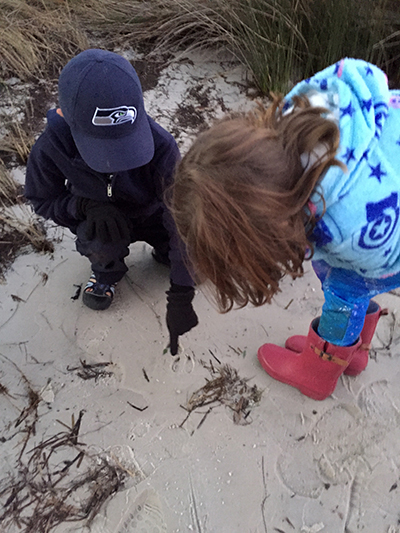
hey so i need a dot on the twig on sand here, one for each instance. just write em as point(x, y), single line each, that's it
point(265, 497)
point(77, 292)
point(92, 370)
point(226, 388)
point(141, 409)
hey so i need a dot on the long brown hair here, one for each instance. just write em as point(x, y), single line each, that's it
point(240, 198)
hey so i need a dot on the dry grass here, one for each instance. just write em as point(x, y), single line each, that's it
point(19, 227)
point(17, 141)
point(38, 37)
point(276, 39)
point(27, 226)
point(9, 189)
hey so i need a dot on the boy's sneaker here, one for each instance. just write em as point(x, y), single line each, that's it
point(98, 296)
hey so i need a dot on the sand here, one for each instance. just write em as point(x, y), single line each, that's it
point(285, 463)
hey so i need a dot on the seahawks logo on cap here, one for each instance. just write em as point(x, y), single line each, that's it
point(114, 115)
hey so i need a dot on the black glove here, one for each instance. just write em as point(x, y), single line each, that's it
point(180, 314)
point(104, 221)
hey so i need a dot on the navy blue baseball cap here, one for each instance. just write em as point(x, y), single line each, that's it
point(101, 99)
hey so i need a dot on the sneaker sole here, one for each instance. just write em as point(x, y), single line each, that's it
point(96, 302)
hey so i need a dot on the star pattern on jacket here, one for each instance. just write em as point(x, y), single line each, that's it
point(349, 110)
point(349, 155)
point(365, 155)
point(387, 252)
point(380, 229)
point(366, 104)
point(377, 172)
point(324, 84)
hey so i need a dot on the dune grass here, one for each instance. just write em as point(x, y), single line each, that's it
point(279, 41)
point(19, 227)
point(37, 37)
point(17, 141)
point(9, 189)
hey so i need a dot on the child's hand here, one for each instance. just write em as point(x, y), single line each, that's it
point(181, 316)
point(104, 221)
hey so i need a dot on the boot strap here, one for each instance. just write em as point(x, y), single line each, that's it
point(328, 357)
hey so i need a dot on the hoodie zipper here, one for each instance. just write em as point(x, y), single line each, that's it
point(109, 185)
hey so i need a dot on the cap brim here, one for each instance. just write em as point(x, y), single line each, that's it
point(116, 155)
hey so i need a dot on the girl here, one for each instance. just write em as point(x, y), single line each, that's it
point(316, 175)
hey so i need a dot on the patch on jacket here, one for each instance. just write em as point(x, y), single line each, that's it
point(382, 218)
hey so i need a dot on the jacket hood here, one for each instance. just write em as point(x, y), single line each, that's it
point(357, 96)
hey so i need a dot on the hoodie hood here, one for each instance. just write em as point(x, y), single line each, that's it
point(360, 229)
point(357, 96)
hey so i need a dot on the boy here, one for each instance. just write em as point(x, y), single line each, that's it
point(101, 168)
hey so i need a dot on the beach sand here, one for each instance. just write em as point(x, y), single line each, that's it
point(204, 441)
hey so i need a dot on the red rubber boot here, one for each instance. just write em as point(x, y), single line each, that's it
point(315, 370)
point(360, 360)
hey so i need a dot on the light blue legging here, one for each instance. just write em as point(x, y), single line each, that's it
point(347, 297)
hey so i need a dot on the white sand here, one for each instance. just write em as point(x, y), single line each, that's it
point(297, 465)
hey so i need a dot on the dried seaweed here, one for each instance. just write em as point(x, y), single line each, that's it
point(47, 489)
point(226, 388)
point(4, 390)
point(92, 370)
point(146, 377)
point(54, 479)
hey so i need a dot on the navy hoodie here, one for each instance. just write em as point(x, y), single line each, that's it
point(56, 175)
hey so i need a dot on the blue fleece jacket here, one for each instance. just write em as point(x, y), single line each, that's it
point(360, 229)
point(358, 237)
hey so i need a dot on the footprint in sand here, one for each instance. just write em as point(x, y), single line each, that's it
point(183, 363)
point(145, 516)
point(342, 439)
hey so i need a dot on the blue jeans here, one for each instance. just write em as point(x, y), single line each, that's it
point(347, 297)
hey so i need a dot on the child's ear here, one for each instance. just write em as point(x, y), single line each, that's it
point(59, 112)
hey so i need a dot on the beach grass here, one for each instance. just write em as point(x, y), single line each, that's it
point(279, 41)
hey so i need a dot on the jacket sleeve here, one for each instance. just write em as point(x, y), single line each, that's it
point(166, 159)
point(45, 187)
